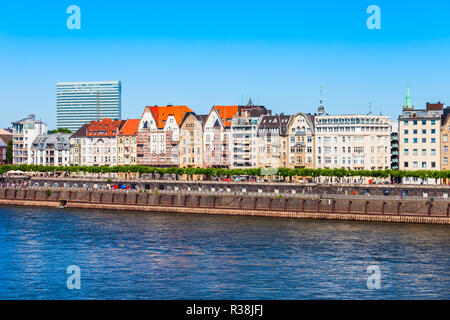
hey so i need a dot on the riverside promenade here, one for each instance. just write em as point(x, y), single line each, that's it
point(330, 206)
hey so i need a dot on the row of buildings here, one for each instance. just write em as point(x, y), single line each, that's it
point(245, 136)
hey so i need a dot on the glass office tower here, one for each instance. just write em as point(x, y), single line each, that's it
point(78, 103)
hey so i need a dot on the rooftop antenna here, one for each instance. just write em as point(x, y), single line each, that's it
point(370, 108)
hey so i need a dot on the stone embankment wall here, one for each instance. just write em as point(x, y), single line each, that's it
point(435, 211)
point(424, 191)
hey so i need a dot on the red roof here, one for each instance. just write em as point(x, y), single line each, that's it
point(435, 106)
point(162, 113)
point(130, 128)
point(227, 113)
point(104, 128)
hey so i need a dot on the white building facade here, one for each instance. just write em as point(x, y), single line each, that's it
point(51, 149)
point(355, 142)
point(25, 131)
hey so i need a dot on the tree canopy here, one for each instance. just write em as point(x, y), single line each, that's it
point(282, 172)
point(60, 130)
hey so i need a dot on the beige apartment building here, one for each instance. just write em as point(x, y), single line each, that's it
point(272, 141)
point(355, 142)
point(191, 140)
point(127, 143)
point(301, 141)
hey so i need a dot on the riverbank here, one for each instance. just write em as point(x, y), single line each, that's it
point(326, 207)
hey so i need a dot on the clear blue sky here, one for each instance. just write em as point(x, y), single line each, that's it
point(201, 53)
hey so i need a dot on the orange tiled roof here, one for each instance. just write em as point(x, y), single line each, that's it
point(104, 128)
point(162, 113)
point(227, 113)
point(130, 128)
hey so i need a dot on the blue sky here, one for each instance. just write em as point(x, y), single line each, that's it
point(201, 53)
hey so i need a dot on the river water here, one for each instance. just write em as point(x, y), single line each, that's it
point(130, 255)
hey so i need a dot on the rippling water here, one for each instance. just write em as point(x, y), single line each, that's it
point(129, 255)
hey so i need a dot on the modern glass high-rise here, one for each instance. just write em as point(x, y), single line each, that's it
point(78, 103)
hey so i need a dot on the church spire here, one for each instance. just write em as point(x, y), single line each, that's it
point(321, 109)
point(409, 104)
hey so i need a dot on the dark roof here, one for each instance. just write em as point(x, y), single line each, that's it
point(279, 122)
point(202, 117)
point(82, 132)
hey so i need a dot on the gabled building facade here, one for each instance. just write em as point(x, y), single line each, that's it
point(272, 141)
point(301, 141)
point(217, 136)
point(127, 143)
point(191, 140)
point(159, 135)
point(78, 146)
point(100, 143)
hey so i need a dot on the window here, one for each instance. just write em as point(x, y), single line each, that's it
point(433, 121)
point(445, 138)
point(405, 164)
point(415, 131)
point(433, 164)
point(445, 160)
point(405, 131)
point(433, 131)
point(415, 140)
point(424, 140)
point(424, 164)
point(406, 152)
point(433, 152)
point(405, 140)
point(433, 140)
point(424, 152)
point(415, 122)
point(424, 122)
point(445, 149)
point(415, 152)
point(415, 164)
point(424, 131)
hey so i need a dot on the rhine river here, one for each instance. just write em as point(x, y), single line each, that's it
point(130, 255)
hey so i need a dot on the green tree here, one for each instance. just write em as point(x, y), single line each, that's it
point(60, 130)
point(9, 152)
